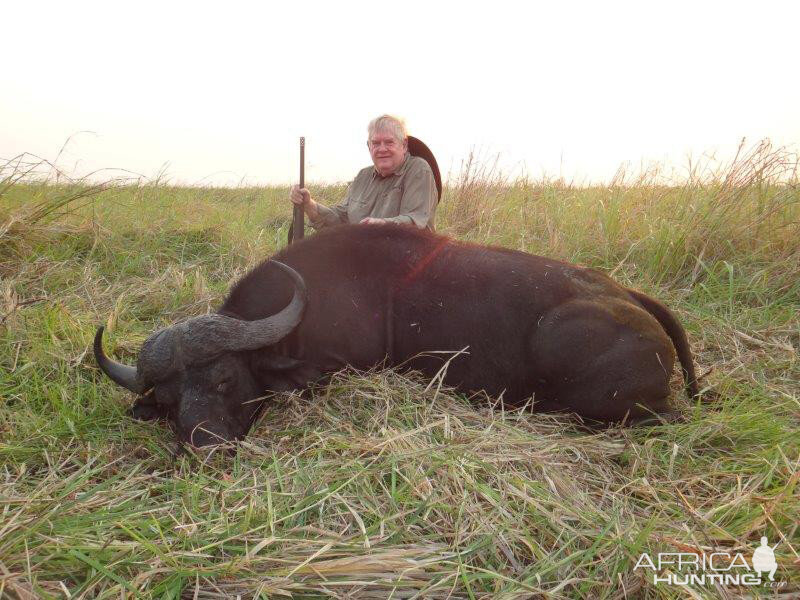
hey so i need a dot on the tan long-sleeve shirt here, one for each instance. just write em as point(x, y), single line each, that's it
point(407, 196)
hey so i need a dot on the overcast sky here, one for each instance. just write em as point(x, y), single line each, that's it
point(220, 92)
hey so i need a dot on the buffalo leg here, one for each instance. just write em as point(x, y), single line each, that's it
point(606, 360)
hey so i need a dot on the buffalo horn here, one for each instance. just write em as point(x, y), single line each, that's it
point(203, 338)
point(250, 335)
point(124, 375)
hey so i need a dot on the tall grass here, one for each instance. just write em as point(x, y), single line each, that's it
point(381, 485)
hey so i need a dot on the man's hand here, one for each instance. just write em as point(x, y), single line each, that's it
point(299, 195)
point(302, 197)
point(372, 221)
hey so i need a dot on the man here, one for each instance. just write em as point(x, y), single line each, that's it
point(398, 188)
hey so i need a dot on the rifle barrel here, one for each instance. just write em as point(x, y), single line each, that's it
point(297, 214)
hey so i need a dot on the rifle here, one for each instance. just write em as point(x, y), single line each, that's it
point(296, 231)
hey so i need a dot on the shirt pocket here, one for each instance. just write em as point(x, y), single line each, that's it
point(360, 200)
point(391, 201)
point(358, 208)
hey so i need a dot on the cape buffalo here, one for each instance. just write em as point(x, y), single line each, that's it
point(362, 295)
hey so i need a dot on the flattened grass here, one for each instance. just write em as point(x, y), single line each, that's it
point(380, 484)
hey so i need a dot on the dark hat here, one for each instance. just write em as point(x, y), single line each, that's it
point(416, 147)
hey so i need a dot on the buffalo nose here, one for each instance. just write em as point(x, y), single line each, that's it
point(202, 435)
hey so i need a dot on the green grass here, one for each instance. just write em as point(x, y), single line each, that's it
point(380, 485)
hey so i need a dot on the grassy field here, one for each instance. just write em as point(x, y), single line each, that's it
point(381, 485)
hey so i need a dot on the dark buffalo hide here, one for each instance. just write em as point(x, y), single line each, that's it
point(530, 327)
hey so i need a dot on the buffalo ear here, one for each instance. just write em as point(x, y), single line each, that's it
point(146, 409)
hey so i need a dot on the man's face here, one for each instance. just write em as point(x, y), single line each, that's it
point(387, 153)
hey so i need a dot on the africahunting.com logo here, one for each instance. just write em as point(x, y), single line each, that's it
point(724, 568)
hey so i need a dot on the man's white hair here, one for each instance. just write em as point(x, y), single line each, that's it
point(394, 125)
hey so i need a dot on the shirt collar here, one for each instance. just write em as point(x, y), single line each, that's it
point(400, 171)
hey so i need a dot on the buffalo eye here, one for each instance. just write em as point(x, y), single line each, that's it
point(223, 386)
